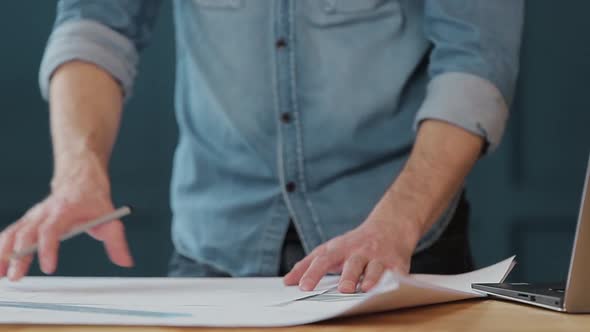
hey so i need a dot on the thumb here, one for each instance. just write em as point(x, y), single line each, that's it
point(112, 235)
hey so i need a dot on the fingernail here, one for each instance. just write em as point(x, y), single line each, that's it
point(11, 272)
point(128, 261)
point(45, 265)
point(347, 286)
point(306, 285)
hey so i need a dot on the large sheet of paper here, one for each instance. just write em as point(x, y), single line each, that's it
point(221, 302)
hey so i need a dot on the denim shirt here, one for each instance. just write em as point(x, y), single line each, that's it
point(302, 110)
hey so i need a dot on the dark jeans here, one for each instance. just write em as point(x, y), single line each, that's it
point(451, 254)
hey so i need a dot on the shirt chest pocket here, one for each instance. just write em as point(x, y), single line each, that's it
point(338, 12)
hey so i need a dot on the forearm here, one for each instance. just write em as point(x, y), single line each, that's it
point(85, 111)
point(442, 157)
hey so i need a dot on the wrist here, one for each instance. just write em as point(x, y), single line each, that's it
point(392, 216)
point(80, 169)
point(410, 203)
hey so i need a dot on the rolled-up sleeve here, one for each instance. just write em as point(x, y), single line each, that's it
point(107, 33)
point(473, 64)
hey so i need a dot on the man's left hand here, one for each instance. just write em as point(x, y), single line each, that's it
point(383, 242)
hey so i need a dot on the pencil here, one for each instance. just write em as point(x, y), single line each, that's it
point(117, 214)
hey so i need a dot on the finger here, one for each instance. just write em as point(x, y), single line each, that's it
point(318, 268)
point(8, 238)
point(6, 245)
point(294, 276)
point(49, 235)
point(351, 273)
point(373, 273)
point(402, 268)
point(113, 237)
point(25, 237)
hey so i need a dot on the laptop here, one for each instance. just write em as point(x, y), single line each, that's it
point(572, 296)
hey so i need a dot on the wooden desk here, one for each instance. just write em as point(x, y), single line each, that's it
point(473, 315)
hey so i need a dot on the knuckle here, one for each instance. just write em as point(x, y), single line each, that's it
point(10, 230)
point(6, 234)
point(34, 213)
point(378, 268)
point(320, 250)
point(333, 244)
point(23, 236)
point(300, 264)
point(322, 260)
point(374, 276)
point(3, 241)
point(48, 229)
point(373, 245)
point(37, 208)
point(27, 221)
point(317, 264)
point(20, 237)
point(60, 209)
point(356, 260)
point(377, 262)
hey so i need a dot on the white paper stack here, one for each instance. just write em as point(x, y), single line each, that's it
point(222, 302)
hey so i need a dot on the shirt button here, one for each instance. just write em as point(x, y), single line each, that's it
point(290, 187)
point(286, 117)
point(281, 42)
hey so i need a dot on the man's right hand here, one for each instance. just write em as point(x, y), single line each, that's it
point(81, 195)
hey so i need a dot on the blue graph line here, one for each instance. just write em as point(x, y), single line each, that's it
point(92, 310)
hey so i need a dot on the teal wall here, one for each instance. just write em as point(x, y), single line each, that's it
point(141, 163)
point(525, 197)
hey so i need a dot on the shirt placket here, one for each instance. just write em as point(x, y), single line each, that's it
point(290, 149)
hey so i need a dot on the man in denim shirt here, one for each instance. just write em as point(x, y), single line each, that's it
point(336, 133)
